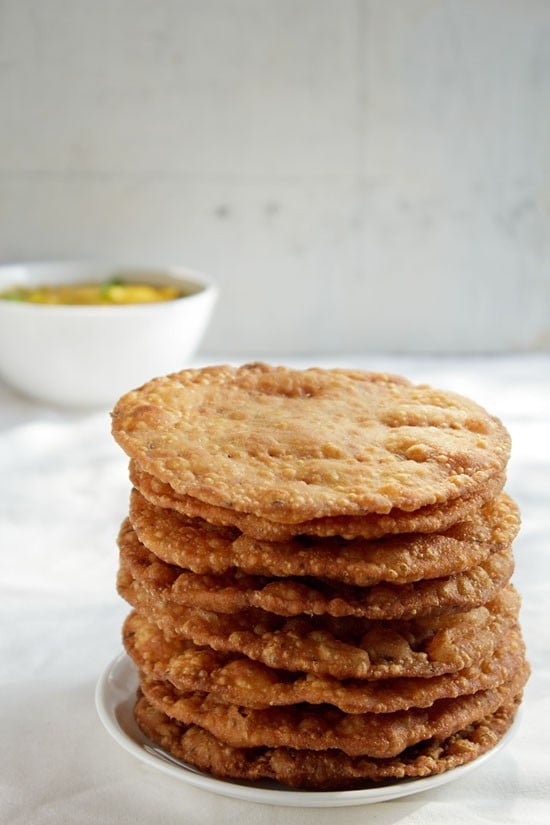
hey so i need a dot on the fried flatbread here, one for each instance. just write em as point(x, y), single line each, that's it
point(323, 727)
point(321, 770)
point(203, 549)
point(428, 519)
point(235, 591)
point(345, 648)
point(236, 680)
point(293, 445)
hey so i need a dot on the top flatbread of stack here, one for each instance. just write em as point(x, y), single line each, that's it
point(295, 447)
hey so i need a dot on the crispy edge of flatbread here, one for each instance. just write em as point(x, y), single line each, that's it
point(428, 519)
point(205, 549)
point(320, 770)
point(324, 727)
point(343, 648)
point(236, 680)
point(233, 591)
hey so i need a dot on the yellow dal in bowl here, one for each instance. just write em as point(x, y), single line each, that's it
point(112, 292)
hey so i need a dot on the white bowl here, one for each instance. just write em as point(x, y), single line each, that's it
point(87, 356)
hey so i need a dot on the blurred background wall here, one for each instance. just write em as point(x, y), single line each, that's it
point(357, 175)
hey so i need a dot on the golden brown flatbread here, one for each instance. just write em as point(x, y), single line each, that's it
point(202, 548)
point(346, 648)
point(235, 591)
point(324, 727)
point(237, 680)
point(294, 445)
point(428, 519)
point(321, 770)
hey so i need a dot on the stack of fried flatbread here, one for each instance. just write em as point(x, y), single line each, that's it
point(319, 567)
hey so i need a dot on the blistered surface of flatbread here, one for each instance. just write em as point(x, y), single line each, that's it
point(381, 735)
point(345, 648)
point(199, 547)
point(320, 770)
point(237, 680)
point(370, 526)
point(235, 591)
point(294, 445)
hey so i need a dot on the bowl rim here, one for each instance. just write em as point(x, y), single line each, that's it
point(96, 271)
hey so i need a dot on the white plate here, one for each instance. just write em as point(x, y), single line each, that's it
point(115, 698)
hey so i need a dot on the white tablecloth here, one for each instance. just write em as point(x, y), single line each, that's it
point(64, 492)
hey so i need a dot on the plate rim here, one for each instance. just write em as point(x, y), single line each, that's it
point(118, 683)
